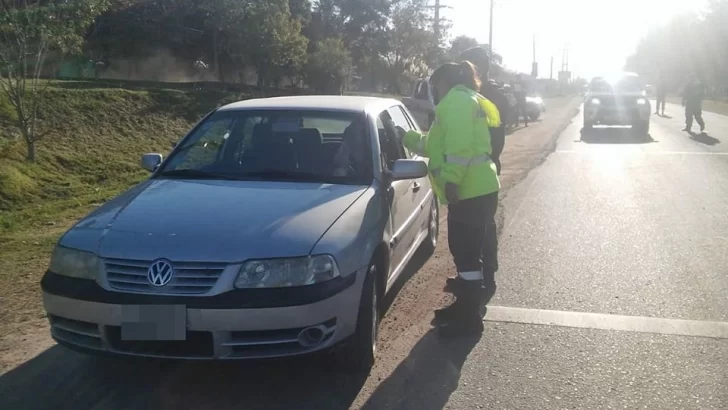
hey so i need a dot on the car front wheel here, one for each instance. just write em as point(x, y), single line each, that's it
point(642, 127)
point(359, 353)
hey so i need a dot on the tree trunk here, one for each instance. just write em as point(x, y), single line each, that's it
point(216, 55)
point(31, 150)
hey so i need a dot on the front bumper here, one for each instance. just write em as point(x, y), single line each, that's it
point(221, 331)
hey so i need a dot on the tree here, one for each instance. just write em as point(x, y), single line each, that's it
point(271, 40)
point(329, 66)
point(410, 40)
point(687, 45)
point(460, 44)
point(28, 32)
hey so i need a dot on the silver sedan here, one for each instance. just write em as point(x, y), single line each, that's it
point(274, 228)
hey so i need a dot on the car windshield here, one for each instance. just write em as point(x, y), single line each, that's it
point(623, 84)
point(302, 146)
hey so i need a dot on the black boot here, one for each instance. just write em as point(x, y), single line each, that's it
point(462, 318)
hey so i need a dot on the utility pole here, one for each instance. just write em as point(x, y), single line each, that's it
point(490, 36)
point(436, 28)
point(534, 64)
point(551, 73)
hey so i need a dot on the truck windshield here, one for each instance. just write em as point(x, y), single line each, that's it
point(620, 84)
point(304, 146)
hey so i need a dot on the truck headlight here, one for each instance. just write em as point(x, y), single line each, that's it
point(595, 101)
point(74, 263)
point(287, 272)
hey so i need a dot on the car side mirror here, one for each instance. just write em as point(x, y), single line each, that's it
point(151, 161)
point(408, 169)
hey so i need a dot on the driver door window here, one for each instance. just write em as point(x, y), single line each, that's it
point(400, 119)
point(389, 143)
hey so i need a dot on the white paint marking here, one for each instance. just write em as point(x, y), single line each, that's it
point(707, 153)
point(694, 328)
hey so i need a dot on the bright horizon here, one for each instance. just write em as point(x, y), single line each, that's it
point(600, 37)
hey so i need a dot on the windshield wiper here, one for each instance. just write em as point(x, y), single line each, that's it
point(195, 174)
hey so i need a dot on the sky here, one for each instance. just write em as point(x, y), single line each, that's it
point(600, 34)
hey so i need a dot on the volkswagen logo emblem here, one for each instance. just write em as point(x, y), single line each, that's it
point(160, 272)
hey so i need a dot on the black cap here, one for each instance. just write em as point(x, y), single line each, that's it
point(479, 56)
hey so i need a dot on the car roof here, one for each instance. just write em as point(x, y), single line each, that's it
point(314, 102)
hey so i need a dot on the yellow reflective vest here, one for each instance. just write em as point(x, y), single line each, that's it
point(458, 144)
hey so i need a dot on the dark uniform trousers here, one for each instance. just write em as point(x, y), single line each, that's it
point(694, 111)
point(471, 233)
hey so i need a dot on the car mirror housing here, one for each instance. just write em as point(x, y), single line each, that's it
point(151, 161)
point(408, 169)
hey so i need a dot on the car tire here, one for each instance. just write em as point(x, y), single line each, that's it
point(588, 125)
point(642, 128)
point(359, 353)
point(433, 227)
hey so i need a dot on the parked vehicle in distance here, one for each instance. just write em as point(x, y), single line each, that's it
point(422, 103)
point(534, 107)
point(617, 100)
point(274, 228)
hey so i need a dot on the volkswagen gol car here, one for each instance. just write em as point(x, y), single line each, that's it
point(617, 100)
point(274, 228)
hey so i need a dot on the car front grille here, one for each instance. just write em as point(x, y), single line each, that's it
point(189, 278)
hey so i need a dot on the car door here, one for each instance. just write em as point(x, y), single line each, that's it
point(420, 189)
point(401, 196)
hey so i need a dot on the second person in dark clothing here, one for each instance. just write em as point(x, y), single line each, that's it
point(480, 57)
point(693, 95)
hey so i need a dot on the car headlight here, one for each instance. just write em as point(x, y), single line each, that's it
point(287, 272)
point(595, 101)
point(74, 263)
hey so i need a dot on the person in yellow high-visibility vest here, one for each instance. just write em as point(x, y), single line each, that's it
point(465, 179)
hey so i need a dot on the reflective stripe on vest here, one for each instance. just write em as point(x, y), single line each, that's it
point(454, 159)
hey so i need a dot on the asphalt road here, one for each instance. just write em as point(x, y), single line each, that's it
point(620, 226)
point(614, 270)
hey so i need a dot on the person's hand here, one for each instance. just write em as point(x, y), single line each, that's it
point(400, 132)
point(451, 193)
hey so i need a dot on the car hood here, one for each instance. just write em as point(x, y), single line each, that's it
point(226, 221)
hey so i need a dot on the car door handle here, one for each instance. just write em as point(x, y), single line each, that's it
point(416, 187)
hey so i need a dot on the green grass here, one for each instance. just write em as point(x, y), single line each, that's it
point(92, 154)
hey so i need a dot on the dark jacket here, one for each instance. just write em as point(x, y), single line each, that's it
point(497, 135)
point(693, 95)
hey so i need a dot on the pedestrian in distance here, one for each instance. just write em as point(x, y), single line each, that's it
point(480, 57)
point(465, 179)
point(661, 95)
point(692, 100)
point(519, 91)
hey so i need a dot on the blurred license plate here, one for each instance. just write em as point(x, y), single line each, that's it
point(153, 322)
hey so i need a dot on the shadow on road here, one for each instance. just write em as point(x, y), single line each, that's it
point(61, 379)
point(664, 116)
point(611, 135)
point(704, 138)
point(426, 378)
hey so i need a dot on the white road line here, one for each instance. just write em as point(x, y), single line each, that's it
point(600, 321)
point(572, 151)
